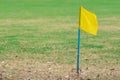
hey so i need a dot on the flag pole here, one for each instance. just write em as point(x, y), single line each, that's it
point(78, 54)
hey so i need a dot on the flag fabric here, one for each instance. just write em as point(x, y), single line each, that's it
point(88, 21)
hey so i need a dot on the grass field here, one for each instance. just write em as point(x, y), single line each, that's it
point(38, 40)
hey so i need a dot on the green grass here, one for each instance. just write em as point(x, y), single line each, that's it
point(46, 30)
point(45, 27)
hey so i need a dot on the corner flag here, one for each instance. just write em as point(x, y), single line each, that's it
point(88, 21)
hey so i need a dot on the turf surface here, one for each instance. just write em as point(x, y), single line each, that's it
point(46, 30)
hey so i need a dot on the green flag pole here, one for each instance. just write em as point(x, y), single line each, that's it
point(78, 54)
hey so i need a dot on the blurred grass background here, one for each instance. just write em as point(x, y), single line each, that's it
point(46, 30)
point(38, 39)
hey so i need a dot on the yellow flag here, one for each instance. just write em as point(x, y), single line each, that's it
point(88, 21)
